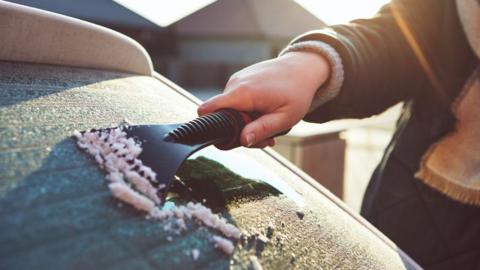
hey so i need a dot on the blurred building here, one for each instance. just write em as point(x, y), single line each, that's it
point(201, 50)
point(227, 35)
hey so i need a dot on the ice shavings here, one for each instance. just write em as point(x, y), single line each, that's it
point(143, 185)
point(118, 155)
point(195, 254)
point(200, 213)
point(223, 244)
point(126, 194)
point(213, 221)
point(131, 183)
point(254, 263)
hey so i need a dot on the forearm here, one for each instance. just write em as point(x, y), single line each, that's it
point(381, 65)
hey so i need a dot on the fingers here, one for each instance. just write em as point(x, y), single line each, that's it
point(255, 133)
point(237, 99)
point(268, 142)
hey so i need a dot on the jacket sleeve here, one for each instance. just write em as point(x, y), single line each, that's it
point(410, 49)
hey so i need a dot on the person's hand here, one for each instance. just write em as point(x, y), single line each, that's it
point(280, 89)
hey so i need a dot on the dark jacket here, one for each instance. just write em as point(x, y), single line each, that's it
point(412, 51)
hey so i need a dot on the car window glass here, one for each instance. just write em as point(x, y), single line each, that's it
point(218, 178)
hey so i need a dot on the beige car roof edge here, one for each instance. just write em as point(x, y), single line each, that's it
point(38, 36)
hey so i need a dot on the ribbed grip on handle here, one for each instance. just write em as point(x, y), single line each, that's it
point(224, 125)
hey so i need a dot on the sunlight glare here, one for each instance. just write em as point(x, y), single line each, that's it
point(164, 12)
point(341, 11)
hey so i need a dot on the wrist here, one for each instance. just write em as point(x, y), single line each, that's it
point(330, 87)
point(314, 68)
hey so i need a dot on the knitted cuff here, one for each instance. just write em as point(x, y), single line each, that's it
point(332, 87)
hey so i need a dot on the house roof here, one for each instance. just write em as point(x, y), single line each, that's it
point(96, 11)
point(259, 18)
point(266, 18)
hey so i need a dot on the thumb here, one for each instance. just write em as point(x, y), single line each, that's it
point(262, 128)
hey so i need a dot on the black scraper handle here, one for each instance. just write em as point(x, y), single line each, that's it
point(241, 119)
point(222, 127)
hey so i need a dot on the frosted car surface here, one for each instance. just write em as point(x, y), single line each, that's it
point(59, 214)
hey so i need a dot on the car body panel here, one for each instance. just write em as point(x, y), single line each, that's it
point(60, 212)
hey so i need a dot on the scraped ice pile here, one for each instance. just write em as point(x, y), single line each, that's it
point(131, 182)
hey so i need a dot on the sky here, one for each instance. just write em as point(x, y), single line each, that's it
point(166, 12)
point(341, 11)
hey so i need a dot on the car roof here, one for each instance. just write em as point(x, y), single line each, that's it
point(51, 38)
